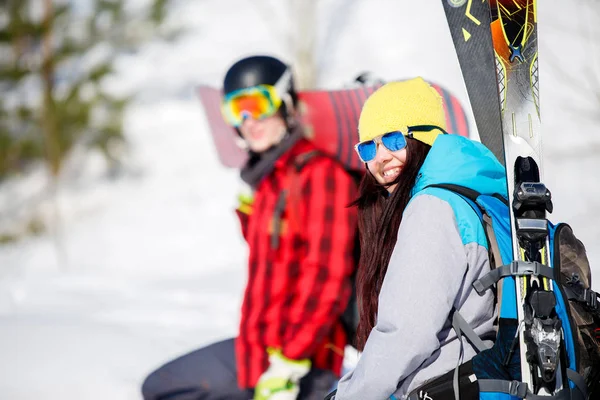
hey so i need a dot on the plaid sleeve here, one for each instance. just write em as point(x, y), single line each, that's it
point(324, 284)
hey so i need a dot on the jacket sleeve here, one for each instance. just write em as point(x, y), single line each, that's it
point(329, 232)
point(423, 278)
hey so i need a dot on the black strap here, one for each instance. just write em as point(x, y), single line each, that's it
point(503, 199)
point(467, 192)
point(563, 394)
point(580, 384)
point(462, 190)
point(587, 297)
point(520, 389)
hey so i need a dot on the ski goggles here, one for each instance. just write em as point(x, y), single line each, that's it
point(393, 141)
point(257, 102)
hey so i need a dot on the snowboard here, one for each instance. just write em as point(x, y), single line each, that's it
point(329, 119)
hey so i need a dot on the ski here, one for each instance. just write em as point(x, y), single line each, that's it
point(514, 35)
point(496, 41)
point(469, 23)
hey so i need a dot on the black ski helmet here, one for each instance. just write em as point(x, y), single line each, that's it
point(262, 70)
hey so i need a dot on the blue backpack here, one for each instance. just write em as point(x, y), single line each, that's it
point(495, 373)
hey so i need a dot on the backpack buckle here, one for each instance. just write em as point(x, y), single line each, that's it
point(520, 268)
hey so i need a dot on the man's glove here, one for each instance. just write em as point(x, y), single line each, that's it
point(245, 200)
point(244, 209)
point(281, 380)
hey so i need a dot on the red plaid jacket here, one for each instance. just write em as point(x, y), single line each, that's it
point(299, 265)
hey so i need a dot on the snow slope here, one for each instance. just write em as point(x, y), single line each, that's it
point(151, 264)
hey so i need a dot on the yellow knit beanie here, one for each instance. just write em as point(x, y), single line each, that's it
point(397, 105)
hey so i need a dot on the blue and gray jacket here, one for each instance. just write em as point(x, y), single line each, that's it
point(440, 251)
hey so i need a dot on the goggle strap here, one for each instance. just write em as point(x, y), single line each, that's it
point(282, 86)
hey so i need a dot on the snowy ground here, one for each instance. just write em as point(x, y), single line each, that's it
point(151, 264)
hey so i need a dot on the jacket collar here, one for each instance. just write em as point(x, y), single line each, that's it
point(260, 165)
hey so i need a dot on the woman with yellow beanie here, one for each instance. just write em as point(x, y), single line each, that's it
point(422, 247)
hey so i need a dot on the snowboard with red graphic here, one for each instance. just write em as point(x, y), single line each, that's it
point(329, 119)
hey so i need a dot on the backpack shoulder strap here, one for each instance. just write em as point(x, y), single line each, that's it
point(460, 326)
point(466, 192)
point(472, 196)
point(496, 257)
point(458, 189)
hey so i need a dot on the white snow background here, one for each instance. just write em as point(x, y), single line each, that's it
point(147, 266)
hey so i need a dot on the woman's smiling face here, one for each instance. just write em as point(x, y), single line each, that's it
point(387, 165)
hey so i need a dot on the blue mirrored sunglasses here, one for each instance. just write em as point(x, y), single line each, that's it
point(393, 141)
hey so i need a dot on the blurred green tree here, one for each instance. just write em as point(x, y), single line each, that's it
point(54, 57)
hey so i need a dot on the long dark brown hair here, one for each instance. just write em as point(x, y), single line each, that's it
point(379, 217)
